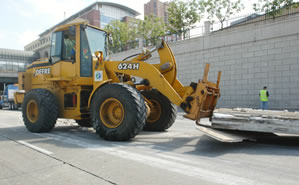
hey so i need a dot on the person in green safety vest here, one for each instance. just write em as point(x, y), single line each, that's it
point(264, 98)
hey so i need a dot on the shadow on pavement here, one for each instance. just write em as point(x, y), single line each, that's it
point(275, 145)
point(75, 137)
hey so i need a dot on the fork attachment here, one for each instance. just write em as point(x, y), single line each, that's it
point(204, 99)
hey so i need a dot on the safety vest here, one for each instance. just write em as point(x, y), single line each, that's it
point(263, 95)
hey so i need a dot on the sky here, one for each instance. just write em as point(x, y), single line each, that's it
point(21, 21)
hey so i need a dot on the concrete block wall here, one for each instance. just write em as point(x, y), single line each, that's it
point(250, 57)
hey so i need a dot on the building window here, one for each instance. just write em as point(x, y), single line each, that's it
point(106, 19)
point(2, 66)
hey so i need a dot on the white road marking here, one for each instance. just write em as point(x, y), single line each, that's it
point(35, 147)
point(157, 162)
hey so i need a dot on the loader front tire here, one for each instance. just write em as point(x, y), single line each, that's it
point(40, 110)
point(162, 114)
point(118, 112)
point(84, 123)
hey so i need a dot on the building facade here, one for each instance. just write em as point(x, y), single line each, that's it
point(98, 14)
point(157, 8)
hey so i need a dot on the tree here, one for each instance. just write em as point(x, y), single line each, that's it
point(123, 35)
point(182, 16)
point(150, 29)
point(273, 7)
point(221, 9)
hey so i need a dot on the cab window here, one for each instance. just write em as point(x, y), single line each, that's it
point(56, 46)
point(69, 44)
point(92, 40)
point(63, 45)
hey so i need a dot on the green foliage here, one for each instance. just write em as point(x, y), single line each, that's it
point(182, 16)
point(123, 35)
point(221, 9)
point(273, 7)
point(151, 29)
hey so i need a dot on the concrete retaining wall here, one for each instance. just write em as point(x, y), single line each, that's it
point(250, 57)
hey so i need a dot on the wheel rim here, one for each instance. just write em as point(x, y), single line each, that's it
point(32, 111)
point(112, 113)
point(155, 113)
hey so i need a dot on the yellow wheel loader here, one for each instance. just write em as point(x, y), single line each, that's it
point(78, 82)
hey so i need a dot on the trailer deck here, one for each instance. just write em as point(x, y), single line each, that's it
point(236, 125)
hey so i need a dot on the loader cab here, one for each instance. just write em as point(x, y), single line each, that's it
point(76, 45)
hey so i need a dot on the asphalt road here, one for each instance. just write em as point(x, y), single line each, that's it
point(182, 155)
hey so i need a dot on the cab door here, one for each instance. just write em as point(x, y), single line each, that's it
point(85, 54)
point(63, 53)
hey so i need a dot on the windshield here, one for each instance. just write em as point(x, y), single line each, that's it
point(97, 40)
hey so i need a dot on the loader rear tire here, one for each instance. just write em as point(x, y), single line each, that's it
point(84, 123)
point(118, 112)
point(40, 110)
point(162, 115)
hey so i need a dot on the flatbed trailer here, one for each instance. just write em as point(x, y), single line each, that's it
point(239, 124)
